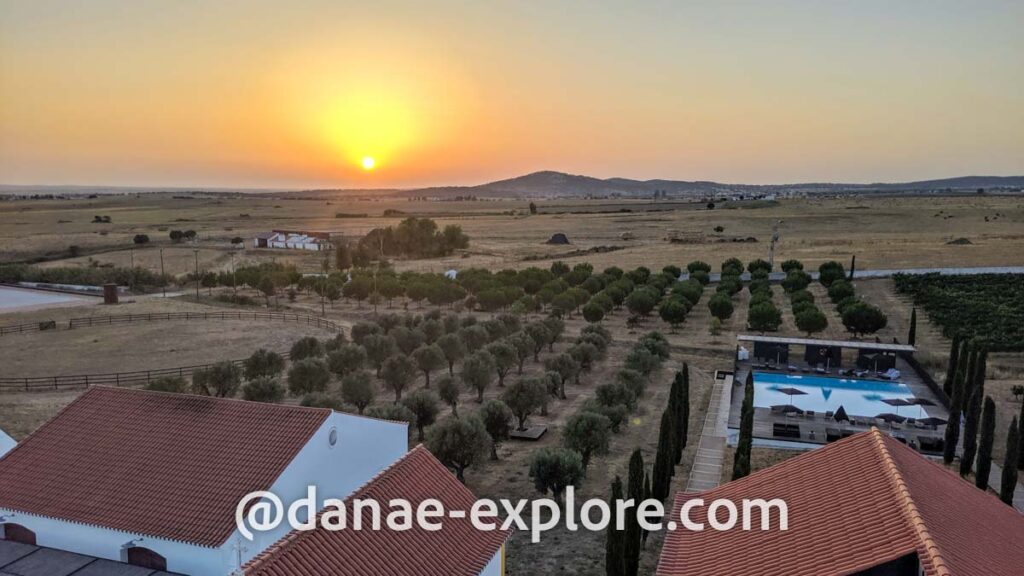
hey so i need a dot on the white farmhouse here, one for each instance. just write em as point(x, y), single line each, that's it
point(293, 240)
point(153, 479)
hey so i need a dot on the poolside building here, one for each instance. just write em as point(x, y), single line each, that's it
point(809, 392)
point(867, 505)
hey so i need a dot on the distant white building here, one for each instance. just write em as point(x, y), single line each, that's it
point(293, 240)
point(6, 443)
point(152, 479)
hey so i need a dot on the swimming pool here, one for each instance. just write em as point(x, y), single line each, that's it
point(822, 393)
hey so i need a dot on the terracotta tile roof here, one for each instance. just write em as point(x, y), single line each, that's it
point(855, 504)
point(458, 549)
point(172, 466)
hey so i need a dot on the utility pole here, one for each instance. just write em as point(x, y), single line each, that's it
point(196, 254)
point(771, 247)
point(162, 281)
point(326, 266)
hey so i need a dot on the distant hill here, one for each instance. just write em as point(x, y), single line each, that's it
point(560, 184)
point(550, 184)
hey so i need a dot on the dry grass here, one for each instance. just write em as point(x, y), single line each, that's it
point(882, 232)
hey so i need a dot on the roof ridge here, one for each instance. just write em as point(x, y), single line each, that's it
point(270, 551)
point(914, 517)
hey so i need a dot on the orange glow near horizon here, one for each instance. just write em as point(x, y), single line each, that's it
point(459, 92)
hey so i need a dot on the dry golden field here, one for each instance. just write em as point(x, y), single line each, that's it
point(884, 232)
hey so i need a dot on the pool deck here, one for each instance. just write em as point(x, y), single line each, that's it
point(816, 429)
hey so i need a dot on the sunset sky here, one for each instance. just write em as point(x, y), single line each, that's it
point(298, 93)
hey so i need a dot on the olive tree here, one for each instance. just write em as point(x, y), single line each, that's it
point(478, 372)
point(221, 380)
point(448, 389)
point(397, 372)
point(346, 359)
point(378, 348)
point(453, 348)
point(504, 356)
point(307, 347)
point(497, 419)
point(358, 390)
point(459, 443)
point(552, 469)
point(263, 389)
point(308, 375)
point(263, 363)
point(589, 434)
point(423, 404)
point(525, 397)
point(565, 366)
point(428, 358)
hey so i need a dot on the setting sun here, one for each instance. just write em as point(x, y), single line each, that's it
point(369, 163)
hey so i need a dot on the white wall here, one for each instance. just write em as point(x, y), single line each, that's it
point(493, 567)
point(6, 443)
point(365, 447)
point(107, 543)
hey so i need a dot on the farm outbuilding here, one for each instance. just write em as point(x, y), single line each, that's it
point(293, 240)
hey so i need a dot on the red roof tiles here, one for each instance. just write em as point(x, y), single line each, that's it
point(458, 549)
point(855, 504)
point(172, 466)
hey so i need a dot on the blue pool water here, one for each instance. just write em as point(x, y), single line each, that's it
point(858, 397)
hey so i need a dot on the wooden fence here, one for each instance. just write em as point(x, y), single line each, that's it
point(88, 321)
point(120, 379)
point(28, 327)
point(138, 377)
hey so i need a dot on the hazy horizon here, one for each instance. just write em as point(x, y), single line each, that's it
point(267, 95)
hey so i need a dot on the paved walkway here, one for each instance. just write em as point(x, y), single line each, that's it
point(707, 464)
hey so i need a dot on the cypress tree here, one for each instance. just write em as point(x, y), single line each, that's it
point(663, 459)
point(912, 334)
point(1010, 463)
point(988, 433)
point(682, 406)
point(647, 496)
point(634, 491)
point(741, 460)
point(615, 539)
point(951, 367)
point(965, 378)
point(853, 266)
point(1020, 424)
point(952, 428)
point(971, 434)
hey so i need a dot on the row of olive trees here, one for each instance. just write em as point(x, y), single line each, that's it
point(858, 317)
point(588, 432)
